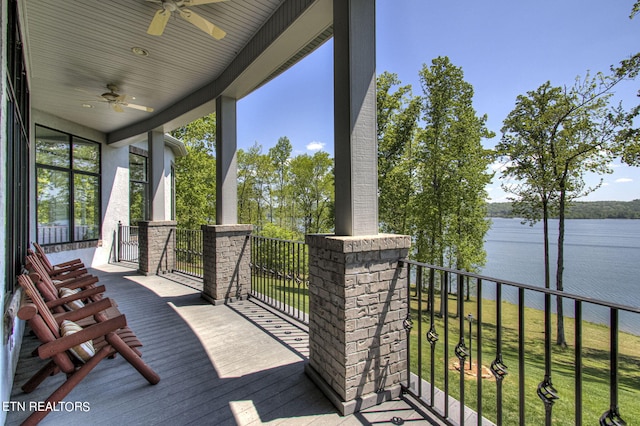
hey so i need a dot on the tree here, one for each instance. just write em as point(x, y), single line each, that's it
point(255, 175)
point(279, 155)
point(398, 113)
point(451, 173)
point(196, 173)
point(312, 187)
point(550, 140)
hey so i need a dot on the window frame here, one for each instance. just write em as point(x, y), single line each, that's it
point(17, 133)
point(145, 192)
point(72, 173)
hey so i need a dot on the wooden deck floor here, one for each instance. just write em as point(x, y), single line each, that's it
point(236, 364)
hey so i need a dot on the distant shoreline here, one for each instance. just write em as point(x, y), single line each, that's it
point(579, 210)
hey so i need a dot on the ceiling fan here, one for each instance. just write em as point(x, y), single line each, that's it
point(117, 101)
point(160, 19)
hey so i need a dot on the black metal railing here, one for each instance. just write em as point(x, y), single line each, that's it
point(128, 246)
point(189, 252)
point(279, 275)
point(484, 334)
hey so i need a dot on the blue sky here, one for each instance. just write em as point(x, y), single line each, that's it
point(505, 48)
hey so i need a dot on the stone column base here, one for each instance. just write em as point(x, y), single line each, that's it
point(227, 268)
point(355, 405)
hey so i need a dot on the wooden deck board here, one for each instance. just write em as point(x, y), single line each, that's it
point(237, 365)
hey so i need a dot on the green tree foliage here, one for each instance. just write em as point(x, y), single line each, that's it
point(550, 140)
point(451, 171)
point(280, 156)
point(398, 113)
point(255, 178)
point(312, 188)
point(196, 174)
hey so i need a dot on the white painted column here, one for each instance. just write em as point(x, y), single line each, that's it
point(157, 195)
point(356, 153)
point(226, 163)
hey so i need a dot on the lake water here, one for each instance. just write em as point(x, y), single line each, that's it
point(602, 261)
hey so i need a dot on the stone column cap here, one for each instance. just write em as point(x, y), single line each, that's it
point(359, 243)
point(228, 228)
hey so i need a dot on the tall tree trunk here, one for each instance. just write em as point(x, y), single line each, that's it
point(560, 340)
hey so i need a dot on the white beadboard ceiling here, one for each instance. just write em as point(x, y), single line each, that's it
point(75, 48)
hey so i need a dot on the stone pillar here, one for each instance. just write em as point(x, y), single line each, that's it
point(357, 303)
point(227, 256)
point(156, 245)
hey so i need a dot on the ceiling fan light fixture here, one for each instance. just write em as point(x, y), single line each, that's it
point(139, 51)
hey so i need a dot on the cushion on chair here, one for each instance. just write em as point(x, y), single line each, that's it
point(84, 351)
point(74, 304)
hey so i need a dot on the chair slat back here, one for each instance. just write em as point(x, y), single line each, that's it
point(29, 287)
point(43, 256)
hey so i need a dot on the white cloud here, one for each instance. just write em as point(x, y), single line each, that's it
point(315, 146)
point(624, 180)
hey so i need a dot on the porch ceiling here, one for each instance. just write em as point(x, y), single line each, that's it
point(75, 48)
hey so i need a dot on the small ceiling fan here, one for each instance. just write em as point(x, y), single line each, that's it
point(160, 19)
point(117, 101)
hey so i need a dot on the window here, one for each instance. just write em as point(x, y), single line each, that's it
point(67, 186)
point(17, 151)
point(138, 188)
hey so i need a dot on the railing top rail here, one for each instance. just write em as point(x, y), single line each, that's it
point(276, 239)
point(528, 287)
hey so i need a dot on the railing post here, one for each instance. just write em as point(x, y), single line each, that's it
point(119, 244)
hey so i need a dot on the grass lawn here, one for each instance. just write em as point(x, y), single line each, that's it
point(595, 361)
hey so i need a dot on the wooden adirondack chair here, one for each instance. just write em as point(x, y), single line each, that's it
point(60, 268)
point(59, 305)
point(50, 288)
point(56, 347)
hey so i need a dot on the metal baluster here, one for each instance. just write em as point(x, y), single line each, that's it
point(407, 324)
point(546, 391)
point(462, 352)
point(498, 368)
point(612, 417)
point(521, 346)
point(479, 348)
point(578, 355)
point(432, 335)
point(444, 293)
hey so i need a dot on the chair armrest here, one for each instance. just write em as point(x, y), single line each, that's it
point(94, 331)
point(65, 274)
point(89, 310)
point(80, 295)
point(77, 282)
point(69, 263)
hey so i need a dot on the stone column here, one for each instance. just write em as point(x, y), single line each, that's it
point(227, 256)
point(357, 302)
point(156, 245)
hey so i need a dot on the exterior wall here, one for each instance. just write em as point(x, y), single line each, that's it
point(357, 303)
point(115, 193)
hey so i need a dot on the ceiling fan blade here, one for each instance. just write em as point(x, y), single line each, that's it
point(138, 107)
point(158, 22)
point(202, 23)
point(198, 2)
point(116, 107)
